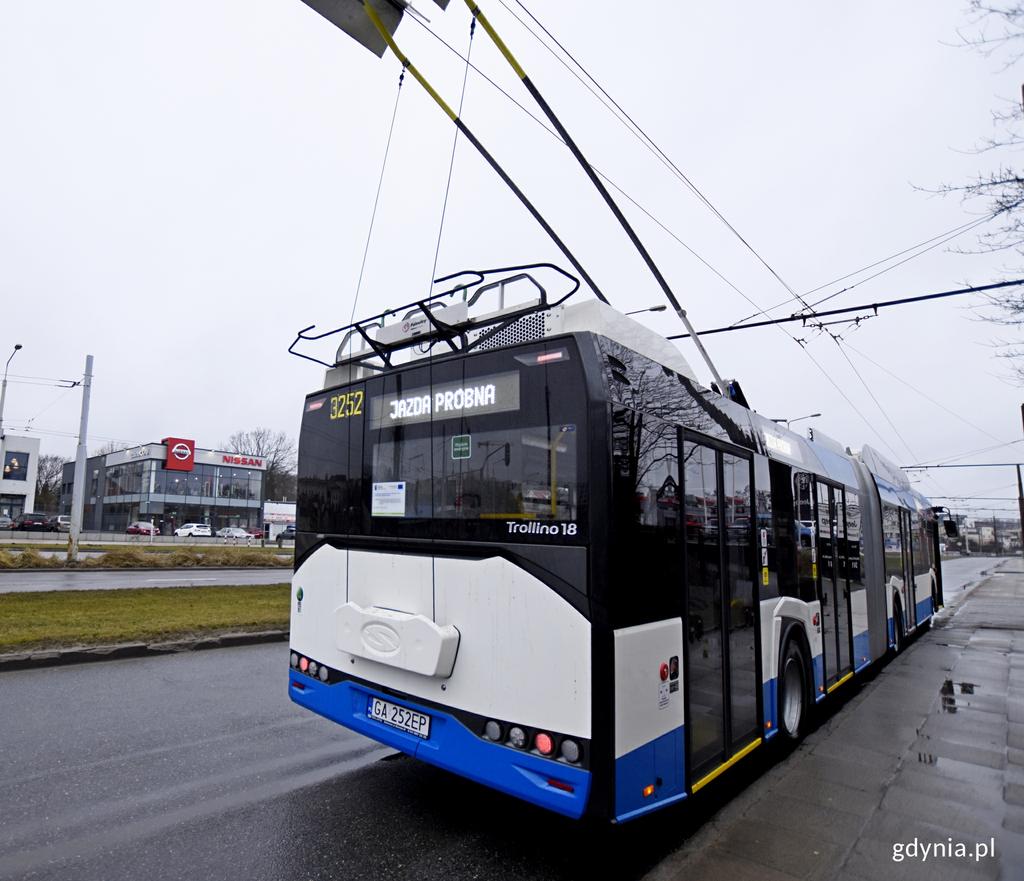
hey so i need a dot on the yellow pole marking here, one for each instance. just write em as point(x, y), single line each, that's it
point(493, 34)
point(836, 685)
point(406, 63)
point(704, 781)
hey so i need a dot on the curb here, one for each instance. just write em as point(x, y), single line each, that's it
point(84, 654)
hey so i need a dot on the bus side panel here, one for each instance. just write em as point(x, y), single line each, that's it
point(649, 745)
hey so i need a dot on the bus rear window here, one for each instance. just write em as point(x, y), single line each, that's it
point(516, 472)
point(473, 448)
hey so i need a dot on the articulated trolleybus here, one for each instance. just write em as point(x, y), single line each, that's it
point(534, 551)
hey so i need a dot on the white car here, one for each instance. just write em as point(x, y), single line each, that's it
point(235, 532)
point(194, 530)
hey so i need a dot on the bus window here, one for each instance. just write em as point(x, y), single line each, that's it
point(646, 553)
point(804, 536)
point(784, 531)
point(893, 543)
point(740, 594)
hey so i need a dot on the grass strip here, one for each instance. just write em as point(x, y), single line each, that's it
point(133, 558)
point(64, 618)
point(145, 548)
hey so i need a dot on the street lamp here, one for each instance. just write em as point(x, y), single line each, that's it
point(649, 309)
point(798, 418)
point(3, 389)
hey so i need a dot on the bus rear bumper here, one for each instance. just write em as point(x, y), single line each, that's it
point(551, 784)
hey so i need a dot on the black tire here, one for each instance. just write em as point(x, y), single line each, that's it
point(899, 634)
point(792, 706)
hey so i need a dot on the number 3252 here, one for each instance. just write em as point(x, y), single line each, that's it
point(347, 405)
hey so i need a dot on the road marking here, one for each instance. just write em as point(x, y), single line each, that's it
point(181, 579)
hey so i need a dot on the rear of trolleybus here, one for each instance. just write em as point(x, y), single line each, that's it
point(440, 595)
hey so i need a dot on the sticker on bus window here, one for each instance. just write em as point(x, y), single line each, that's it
point(462, 446)
point(388, 499)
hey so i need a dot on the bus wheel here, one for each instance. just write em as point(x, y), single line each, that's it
point(897, 626)
point(792, 708)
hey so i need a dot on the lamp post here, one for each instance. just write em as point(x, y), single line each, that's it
point(798, 418)
point(3, 388)
point(3, 398)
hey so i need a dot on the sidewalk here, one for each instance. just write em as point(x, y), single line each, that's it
point(931, 749)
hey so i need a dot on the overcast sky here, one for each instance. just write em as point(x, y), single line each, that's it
point(185, 184)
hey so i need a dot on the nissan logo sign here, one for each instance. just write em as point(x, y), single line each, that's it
point(181, 452)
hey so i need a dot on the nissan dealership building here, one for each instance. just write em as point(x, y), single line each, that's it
point(170, 483)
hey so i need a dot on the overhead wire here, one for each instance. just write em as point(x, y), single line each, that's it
point(376, 198)
point(455, 144)
point(661, 154)
point(927, 397)
point(604, 176)
point(690, 185)
point(654, 148)
point(945, 237)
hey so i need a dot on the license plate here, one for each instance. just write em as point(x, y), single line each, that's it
point(402, 718)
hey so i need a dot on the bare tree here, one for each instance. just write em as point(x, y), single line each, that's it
point(278, 453)
point(997, 30)
point(107, 448)
point(49, 476)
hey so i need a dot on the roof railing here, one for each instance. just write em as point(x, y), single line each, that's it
point(440, 318)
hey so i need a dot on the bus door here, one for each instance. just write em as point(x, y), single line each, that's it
point(721, 619)
point(909, 540)
point(833, 585)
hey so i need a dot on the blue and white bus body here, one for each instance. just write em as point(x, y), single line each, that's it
point(607, 640)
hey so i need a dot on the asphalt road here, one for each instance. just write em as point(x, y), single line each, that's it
point(960, 573)
point(28, 580)
point(198, 766)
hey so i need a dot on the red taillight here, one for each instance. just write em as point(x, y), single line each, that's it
point(561, 784)
point(304, 664)
point(545, 745)
point(550, 356)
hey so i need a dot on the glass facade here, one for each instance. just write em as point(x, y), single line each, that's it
point(117, 495)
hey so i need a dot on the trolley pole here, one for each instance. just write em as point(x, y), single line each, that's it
point(78, 488)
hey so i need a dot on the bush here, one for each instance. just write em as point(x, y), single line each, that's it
point(180, 557)
point(241, 557)
point(126, 558)
point(30, 558)
point(8, 560)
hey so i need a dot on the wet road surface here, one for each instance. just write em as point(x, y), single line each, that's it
point(28, 580)
point(198, 766)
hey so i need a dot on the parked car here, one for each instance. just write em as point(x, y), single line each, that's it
point(194, 530)
point(255, 532)
point(286, 534)
point(141, 527)
point(233, 532)
point(6, 522)
point(59, 523)
point(35, 522)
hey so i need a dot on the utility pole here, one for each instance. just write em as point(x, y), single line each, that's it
point(1020, 492)
point(78, 490)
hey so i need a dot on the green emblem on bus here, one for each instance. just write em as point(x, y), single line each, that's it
point(462, 447)
point(298, 594)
